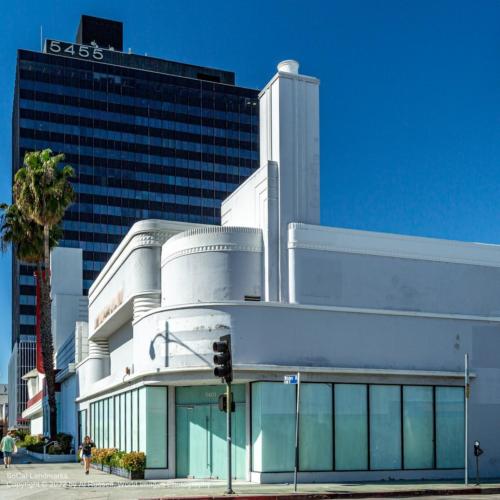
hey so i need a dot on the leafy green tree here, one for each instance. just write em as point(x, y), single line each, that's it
point(42, 193)
point(24, 235)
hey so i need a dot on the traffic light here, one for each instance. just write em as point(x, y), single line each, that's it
point(222, 358)
point(477, 449)
point(223, 403)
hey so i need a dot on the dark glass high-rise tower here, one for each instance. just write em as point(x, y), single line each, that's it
point(148, 138)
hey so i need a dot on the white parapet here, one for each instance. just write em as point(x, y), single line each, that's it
point(212, 264)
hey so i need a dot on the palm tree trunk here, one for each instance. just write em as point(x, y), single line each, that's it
point(38, 275)
point(46, 336)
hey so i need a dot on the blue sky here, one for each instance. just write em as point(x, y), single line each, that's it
point(410, 97)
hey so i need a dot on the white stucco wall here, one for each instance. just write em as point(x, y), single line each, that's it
point(36, 426)
point(341, 267)
point(121, 350)
point(212, 264)
point(67, 417)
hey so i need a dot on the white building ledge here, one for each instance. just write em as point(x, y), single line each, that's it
point(244, 373)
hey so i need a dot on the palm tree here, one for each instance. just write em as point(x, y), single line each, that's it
point(26, 239)
point(42, 192)
point(24, 235)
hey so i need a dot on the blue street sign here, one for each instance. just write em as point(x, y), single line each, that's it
point(290, 379)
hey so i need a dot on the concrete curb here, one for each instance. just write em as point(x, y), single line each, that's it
point(346, 494)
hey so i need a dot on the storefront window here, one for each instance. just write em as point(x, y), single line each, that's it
point(418, 427)
point(449, 427)
point(105, 420)
point(128, 422)
point(385, 427)
point(111, 421)
point(273, 426)
point(135, 422)
point(351, 427)
point(316, 429)
point(156, 427)
point(122, 422)
point(142, 418)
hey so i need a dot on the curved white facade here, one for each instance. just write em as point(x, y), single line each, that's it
point(363, 317)
point(212, 264)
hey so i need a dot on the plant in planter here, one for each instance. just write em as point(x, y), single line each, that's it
point(135, 463)
point(96, 458)
point(35, 443)
point(55, 449)
point(130, 465)
point(102, 457)
point(116, 462)
point(64, 442)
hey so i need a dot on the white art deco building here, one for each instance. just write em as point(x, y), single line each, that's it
point(377, 325)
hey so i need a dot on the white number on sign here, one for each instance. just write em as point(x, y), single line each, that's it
point(83, 51)
point(55, 46)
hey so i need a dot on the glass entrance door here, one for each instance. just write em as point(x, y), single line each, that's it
point(201, 449)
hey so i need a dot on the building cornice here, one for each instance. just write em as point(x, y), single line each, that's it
point(143, 234)
point(212, 239)
point(329, 239)
point(339, 309)
point(246, 372)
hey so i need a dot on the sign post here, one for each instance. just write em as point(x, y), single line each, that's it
point(295, 380)
point(229, 490)
point(467, 392)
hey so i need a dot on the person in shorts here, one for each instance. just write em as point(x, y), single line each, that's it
point(8, 447)
point(86, 448)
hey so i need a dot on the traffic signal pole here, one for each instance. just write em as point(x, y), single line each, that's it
point(229, 489)
point(224, 370)
point(297, 413)
point(466, 433)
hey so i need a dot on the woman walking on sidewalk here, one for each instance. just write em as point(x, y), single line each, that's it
point(8, 446)
point(86, 448)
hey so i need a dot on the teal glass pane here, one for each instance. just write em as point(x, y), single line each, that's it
point(99, 424)
point(156, 427)
point(351, 427)
point(316, 427)
point(128, 422)
point(385, 427)
point(105, 422)
point(92, 427)
point(94, 436)
point(142, 418)
point(273, 426)
point(111, 421)
point(135, 422)
point(450, 427)
point(418, 427)
point(117, 422)
point(122, 422)
point(82, 431)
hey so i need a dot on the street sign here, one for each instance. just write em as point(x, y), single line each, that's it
point(295, 380)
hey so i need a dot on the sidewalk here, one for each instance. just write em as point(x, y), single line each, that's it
point(28, 478)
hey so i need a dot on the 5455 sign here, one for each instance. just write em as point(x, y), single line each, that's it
point(74, 50)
